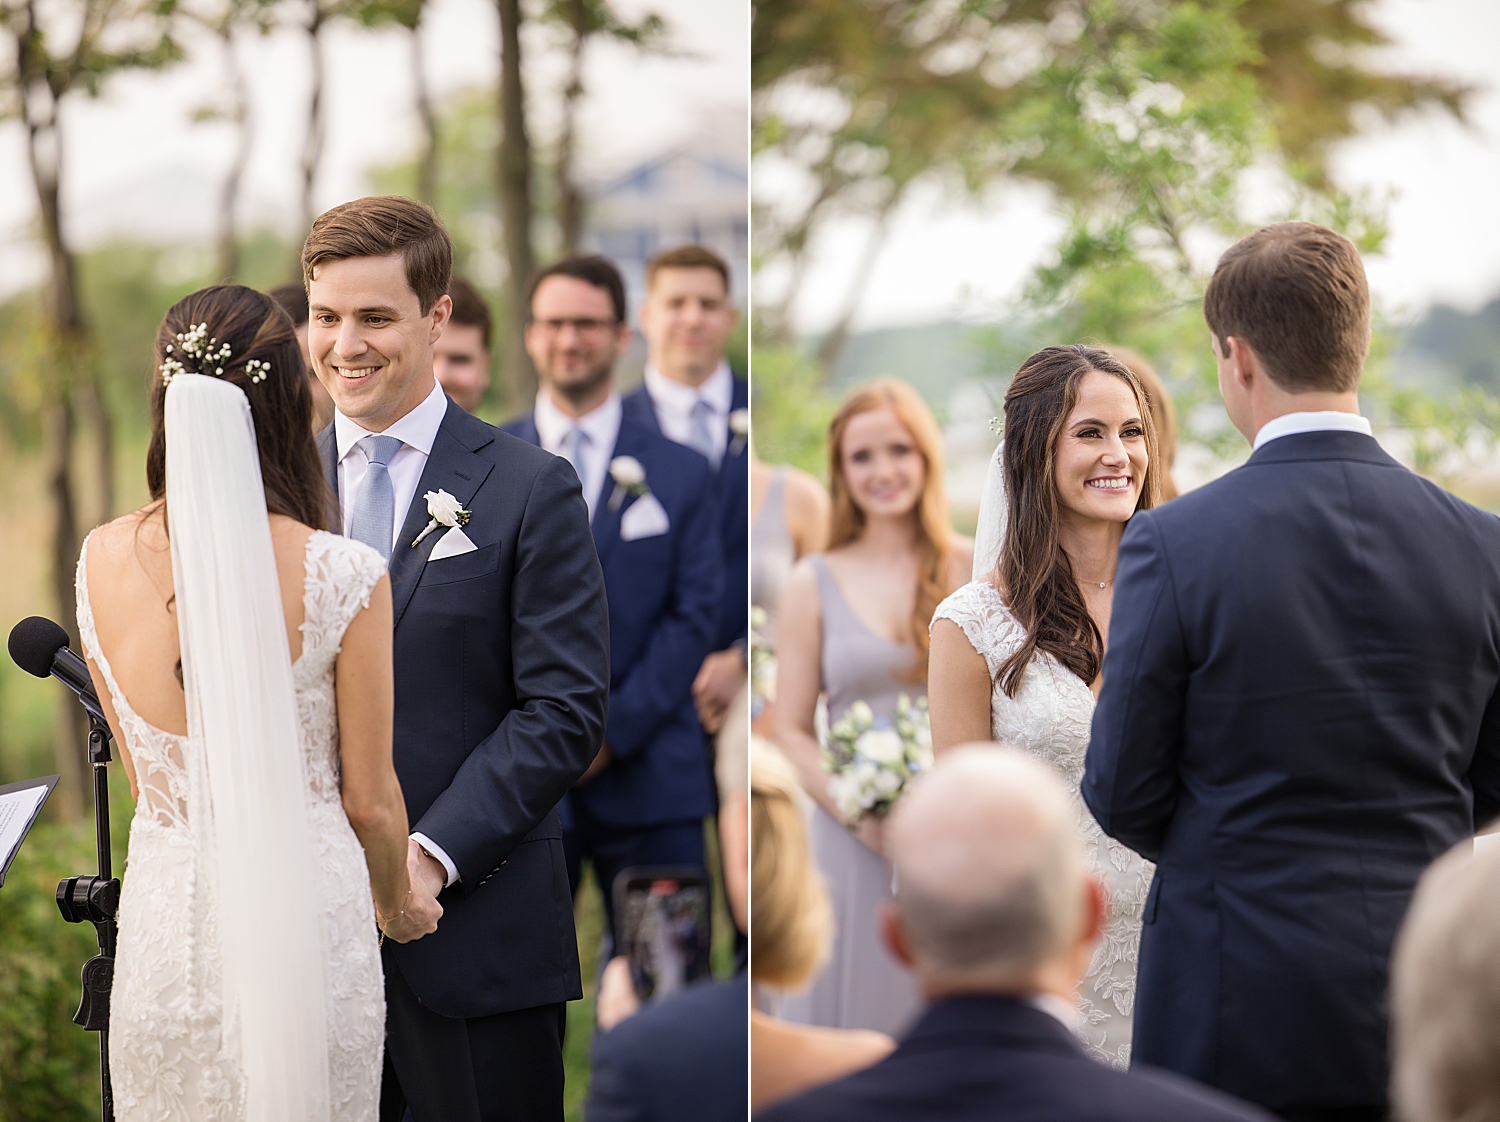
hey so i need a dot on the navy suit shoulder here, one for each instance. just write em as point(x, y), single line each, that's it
point(682, 1058)
point(975, 1059)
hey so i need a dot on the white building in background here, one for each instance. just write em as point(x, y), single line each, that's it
point(696, 191)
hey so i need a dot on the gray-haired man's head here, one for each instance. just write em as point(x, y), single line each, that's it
point(992, 890)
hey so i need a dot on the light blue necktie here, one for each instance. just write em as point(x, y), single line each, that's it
point(572, 448)
point(700, 436)
point(374, 520)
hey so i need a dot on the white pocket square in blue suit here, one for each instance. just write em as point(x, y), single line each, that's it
point(452, 544)
point(644, 518)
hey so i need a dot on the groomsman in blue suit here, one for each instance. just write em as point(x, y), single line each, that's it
point(653, 508)
point(691, 396)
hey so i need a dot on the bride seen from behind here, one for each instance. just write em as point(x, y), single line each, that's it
point(853, 627)
point(243, 657)
point(1017, 654)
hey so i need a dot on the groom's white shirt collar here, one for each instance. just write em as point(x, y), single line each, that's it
point(417, 432)
point(1324, 420)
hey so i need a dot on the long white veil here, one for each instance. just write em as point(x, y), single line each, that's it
point(250, 798)
point(989, 534)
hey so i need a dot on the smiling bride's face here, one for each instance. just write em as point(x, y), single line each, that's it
point(1100, 463)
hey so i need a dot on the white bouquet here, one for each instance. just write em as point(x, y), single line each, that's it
point(870, 762)
point(762, 664)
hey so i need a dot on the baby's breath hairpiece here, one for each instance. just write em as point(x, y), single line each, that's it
point(194, 344)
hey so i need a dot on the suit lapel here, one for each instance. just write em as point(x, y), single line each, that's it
point(639, 407)
point(452, 466)
point(632, 441)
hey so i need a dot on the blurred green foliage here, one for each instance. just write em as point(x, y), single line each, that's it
point(49, 1067)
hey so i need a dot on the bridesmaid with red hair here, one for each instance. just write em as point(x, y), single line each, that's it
point(854, 627)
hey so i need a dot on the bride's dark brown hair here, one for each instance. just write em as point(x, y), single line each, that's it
point(1035, 576)
point(255, 327)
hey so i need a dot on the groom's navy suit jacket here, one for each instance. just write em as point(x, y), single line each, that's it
point(664, 595)
point(1298, 715)
point(502, 677)
point(732, 488)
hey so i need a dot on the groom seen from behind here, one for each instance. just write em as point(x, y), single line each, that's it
point(501, 671)
point(1299, 706)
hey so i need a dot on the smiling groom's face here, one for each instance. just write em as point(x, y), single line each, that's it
point(370, 344)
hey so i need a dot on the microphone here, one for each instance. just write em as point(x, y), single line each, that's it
point(39, 646)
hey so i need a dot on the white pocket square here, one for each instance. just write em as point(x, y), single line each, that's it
point(644, 518)
point(452, 544)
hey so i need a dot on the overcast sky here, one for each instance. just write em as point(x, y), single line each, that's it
point(948, 258)
point(135, 162)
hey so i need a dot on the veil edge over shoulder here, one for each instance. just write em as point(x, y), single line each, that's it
point(989, 531)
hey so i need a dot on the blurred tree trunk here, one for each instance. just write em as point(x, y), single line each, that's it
point(312, 146)
point(569, 198)
point(40, 92)
point(515, 205)
point(228, 248)
point(833, 343)
point(427, 157)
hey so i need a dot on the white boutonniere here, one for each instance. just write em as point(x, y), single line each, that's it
point(739, 425)
point(444, 510)
point(630, 479)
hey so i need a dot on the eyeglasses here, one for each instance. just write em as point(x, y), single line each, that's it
point(582, 326)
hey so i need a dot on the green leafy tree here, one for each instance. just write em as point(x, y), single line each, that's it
point(1139, 117)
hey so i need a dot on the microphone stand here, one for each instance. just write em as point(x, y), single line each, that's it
point(96, 899)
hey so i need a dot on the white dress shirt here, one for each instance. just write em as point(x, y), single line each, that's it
point(601, 429)
point(674, 401)
point(1323, 420)
point(416, 431)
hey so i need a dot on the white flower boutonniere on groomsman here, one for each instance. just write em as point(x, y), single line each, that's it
point(739, 425)
point(630, 479)
point(443, 510)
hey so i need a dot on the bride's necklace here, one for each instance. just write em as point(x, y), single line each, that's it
point(1101, 583)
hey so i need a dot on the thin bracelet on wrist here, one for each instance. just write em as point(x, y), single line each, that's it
point(382, 924)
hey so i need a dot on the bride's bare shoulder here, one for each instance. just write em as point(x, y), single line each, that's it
point(128, 535)
point(287, 532)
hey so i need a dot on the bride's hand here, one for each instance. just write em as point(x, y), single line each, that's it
point(421, 912)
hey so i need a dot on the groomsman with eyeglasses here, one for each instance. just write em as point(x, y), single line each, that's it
point(691, 396)
point(653, 509)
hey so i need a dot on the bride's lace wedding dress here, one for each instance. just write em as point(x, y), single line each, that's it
point(171, 1056)
point(1050, 717)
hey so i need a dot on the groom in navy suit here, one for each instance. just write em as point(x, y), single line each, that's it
point(654, 517)
point(502, 673)
point(1299, 710)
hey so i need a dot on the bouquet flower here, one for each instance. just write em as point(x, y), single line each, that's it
point(870, 762)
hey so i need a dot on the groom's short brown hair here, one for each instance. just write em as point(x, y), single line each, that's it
point(379, 226)
point(1296, 292)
